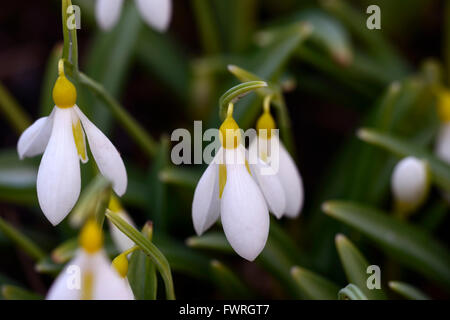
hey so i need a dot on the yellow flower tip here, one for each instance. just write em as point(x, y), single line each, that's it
point(114, 204)
point(120, 263)
point(264, 125)
point(91, 237)
point(64, 92)
point(444, 105)
point(230, 135)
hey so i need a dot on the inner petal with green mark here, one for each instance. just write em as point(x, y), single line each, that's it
point(80, 141)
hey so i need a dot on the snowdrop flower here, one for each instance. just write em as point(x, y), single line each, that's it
point(61, 137)
point(442, 146)
point(89, 275)
point(274, 169)
point(227, 189)
point(121, 241)
point(410, 184)
point(156, 13)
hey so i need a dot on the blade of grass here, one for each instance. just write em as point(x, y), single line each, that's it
point(314, 286)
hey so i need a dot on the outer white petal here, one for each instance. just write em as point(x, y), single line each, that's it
point(409, 182)
point(107, 13)
point(121, 241)
point(205, 206)
point(244, 214)
point(292, 183)
point(105, 154)
point(67, 285)
point(271, 187)
point(58, 181)
point(35, 138)
point(108, 284)
point(156, 13)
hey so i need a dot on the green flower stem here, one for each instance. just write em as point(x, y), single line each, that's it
point(21, 240)
point(206, 26)
point(134, 129)
point(149, 249)
point(14, 113)
point(70, 48)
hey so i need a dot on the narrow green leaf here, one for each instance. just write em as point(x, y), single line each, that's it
point(13, 112)
point(142, 271)
point(355, 267)
point(408, 291)
point(314, 286)
point(231, 286)
point(407, 244)
point(149, 248)
point(10, 292)
point(351, 292)
point(65, 251)
point(180, 176)
point(439, 169)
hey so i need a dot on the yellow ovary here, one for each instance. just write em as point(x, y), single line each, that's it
point(230, 135)
point(264, 125)
point(78, 136)
point(64, 93)
point(120, 263)
point(91, 237)
point(114, 204)
point(444, 105)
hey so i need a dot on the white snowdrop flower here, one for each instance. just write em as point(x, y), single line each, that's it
point(89, 275)
point(156, 13)
point(410, 183)
point(442, 145)
point(121, 241)
point(227, 189)
point(61, 137)
point(274, 168)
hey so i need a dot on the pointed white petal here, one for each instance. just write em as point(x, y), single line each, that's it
point(121, 241)
point(67, 286)
point(243, 210)
point(442, 147)
point(58, 181)
point(271, 187)
point(205, 206)
point(105, 154)
point(410, 183)
point(107, 13)
point(108, 284)
point(35, 138)
point(156, 13)
point(292, 182)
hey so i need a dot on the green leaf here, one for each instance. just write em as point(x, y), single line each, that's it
point(231, 286)
point(408, 291)
point(149, 248)
point(439, 169)
point(142, 271)
point(65, 251)
point(314, 286)
point(407, 244)
point(10, 292)
point(13, 112)
point(351, 292)
point(237, 92)
point(355, 266)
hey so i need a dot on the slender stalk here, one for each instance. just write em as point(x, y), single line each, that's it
point(14, 113)
point(70, 48)
point(206, 26)
point(21, 240)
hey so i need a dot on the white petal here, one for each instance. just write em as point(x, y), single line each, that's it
point(271, 187)
point(409, 183)
point(105, 154)
point(121, 241)
point(107, 13)
point(205, 206)
point(108, 284)
point(291, 181)
point(156, 13)
point(244, 214)
point(442, 147)
point(58, 181)
point(35, 138)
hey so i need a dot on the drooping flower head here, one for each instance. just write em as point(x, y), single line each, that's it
point(62, 138)
point(89, 275)
point(274, 168)
point(227, 189)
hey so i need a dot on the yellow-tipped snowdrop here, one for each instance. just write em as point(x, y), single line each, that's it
point(410, 184)
point(227, 189)
point(89, 275)
point(121, 241)
point(156, 13)
point(274, 168)
point(61, 137)
point(442, 146)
